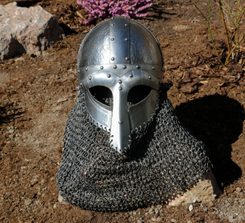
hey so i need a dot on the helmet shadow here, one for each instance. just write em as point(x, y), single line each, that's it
point(217, 121)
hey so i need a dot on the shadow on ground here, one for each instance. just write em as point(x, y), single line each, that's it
point(159, 11)
point(8, 113)
point(218, 121)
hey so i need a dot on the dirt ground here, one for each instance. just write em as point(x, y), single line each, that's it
point(38, 92)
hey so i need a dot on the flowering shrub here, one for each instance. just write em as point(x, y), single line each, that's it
point(108, 8)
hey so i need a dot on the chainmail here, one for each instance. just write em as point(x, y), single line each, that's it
point(166, 162)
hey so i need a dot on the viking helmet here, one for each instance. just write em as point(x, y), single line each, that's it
point(120, 69)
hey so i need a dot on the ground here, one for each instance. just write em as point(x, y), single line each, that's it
point(38, 92)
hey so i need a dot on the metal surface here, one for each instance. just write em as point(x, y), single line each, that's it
point(92, 175)
point(120, 54)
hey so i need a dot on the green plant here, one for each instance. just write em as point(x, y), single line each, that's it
point(231, 14)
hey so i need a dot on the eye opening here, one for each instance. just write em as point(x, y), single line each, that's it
point(138, 94)
point(102, 94)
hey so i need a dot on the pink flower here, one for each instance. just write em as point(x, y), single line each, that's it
point(108, 8)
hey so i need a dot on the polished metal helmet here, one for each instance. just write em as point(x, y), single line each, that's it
point(120, 67)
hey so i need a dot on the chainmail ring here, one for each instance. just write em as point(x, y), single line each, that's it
point(166, 162)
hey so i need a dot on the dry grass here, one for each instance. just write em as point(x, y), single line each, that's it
point(231, 13)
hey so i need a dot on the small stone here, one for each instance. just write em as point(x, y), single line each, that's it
point(133, 213)
point(232, 218)
point(190, 208)
point(140, 221)
point(62, 200)
point(61, 100)
point(173, 220)
point(28, 202)
point(189, 88)
point(156, 219)
point(151, 210)
point(238, 189)
point(42, 181)
point(19, 59)
point(34, 180)
point(157, 212)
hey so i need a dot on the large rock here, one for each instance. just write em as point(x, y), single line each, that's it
point(29, 30)
point(205, 191)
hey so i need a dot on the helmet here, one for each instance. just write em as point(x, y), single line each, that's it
point(120, 68)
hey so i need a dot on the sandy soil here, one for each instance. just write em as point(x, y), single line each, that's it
point(38, 92)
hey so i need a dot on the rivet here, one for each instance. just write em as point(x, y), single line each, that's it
point(149, 77)
point(101, 67)
point(126, 39)
point(120, 88)
point(115, 67)
point(113, 58)
point(124, 67)
point(153, 68)
point(112, 38)
point(86, 69)
point(131, 75)
point(137, 66)
point(108, 75)
point(89, 77)
point(126, 58)
point(119, 81)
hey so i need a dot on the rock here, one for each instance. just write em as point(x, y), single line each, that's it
point(189, 88)
point(156, 219)
point(238, 189)
point(151, 210)
point(29, 30)
point(232, 218)
point(190, 208)
point(204, 191)
point(34, 180)
point(62, 200)
point(27, 202)
point(9, 46)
